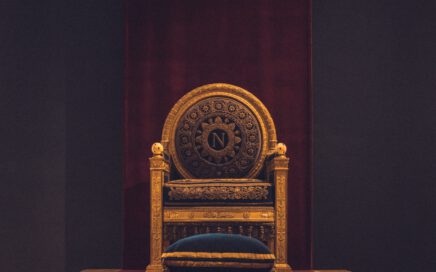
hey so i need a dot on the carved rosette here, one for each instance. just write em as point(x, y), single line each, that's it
point(218, 137)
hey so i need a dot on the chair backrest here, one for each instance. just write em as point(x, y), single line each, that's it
point(219, 131)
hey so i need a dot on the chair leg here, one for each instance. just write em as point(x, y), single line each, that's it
point(158, 167)
point(281, 245)
point(281, 268)
point(155, 268)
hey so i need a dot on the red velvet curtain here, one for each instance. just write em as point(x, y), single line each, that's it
point(172, 47)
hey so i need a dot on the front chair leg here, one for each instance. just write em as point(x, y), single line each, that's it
point(281, 268)
point(155, 268)
point(279, 166)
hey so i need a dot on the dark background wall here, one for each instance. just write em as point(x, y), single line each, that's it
point(375, 135)
point(94, 86)
point(61, 76)
point(61, 101)
point(32, 133)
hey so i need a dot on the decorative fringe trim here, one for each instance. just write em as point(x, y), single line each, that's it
point(217, 264)
point(219, 255)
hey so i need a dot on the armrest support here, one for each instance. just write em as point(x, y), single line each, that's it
point(277, 172)
point(159, 172)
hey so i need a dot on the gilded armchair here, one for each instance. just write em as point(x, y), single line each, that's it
point(218, 169)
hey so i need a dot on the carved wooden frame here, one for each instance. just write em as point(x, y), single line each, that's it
point(273, 157)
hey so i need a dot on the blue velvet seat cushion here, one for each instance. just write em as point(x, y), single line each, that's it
point(217, 250)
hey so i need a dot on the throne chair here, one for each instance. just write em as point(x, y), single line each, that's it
point(218, 185)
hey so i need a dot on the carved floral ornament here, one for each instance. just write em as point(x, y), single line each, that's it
point(219, 193)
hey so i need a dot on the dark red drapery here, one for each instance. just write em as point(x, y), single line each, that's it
point(172, 47)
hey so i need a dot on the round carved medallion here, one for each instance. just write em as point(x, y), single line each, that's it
point(218, 137)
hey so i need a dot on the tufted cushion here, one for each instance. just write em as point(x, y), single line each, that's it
point(217, 250)
point(215, 191)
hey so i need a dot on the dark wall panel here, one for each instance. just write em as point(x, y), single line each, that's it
point(375, 148)
point(94, 38)
point(61, 100)
point(32, 133)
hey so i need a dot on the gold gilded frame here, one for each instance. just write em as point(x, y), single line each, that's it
point(273, 159)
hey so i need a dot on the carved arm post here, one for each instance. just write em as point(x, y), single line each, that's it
point(278, 172)
point(159, 170)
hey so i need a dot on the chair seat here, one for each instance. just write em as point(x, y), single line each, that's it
point(218, 250)
point(218, 191)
